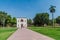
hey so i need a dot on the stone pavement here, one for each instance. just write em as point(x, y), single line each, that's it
point(26, 34)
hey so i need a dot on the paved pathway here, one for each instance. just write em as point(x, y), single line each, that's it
point(26, 34)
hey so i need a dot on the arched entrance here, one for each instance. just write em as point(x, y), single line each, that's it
point(22, 26)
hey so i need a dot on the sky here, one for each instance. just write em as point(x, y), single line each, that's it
point(29, 8)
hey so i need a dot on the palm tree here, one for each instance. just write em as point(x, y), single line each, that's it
point(52, 10)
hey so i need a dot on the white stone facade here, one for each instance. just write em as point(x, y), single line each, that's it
point(22, 22)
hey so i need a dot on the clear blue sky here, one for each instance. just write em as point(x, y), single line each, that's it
point(28, 8)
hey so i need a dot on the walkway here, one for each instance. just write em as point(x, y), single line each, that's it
point(26, 34)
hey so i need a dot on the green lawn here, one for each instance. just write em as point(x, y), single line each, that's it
point(6, 32)
point(51, 32)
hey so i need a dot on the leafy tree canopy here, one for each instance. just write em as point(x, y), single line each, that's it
point(6, 19)
point(58, 20)
point(41, 19)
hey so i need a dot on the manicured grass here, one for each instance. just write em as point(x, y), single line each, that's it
point(6, 32)
point(51, 32)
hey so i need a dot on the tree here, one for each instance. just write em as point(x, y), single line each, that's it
point(13, 22)
point(8, 20)
point(52, 10)
point(58, 20)
point(29, 21)
point(41, 19)
point(3, 16)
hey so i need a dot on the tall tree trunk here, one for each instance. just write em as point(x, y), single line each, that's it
point(4, 23)
point(52, 19)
